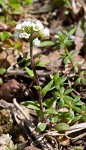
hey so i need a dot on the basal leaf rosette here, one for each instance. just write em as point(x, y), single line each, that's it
point(31, 30)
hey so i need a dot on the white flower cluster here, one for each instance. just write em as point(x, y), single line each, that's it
point(25, 29)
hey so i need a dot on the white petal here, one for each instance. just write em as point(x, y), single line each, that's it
point(44, 32)
point(24, 35)
point(36, 42)
point(26, 24)
point(38, 26)
point(19, 26)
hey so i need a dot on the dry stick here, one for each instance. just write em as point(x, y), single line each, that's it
point(79, 137)
point(78, 126)
point(43, 143)
point(23, 73)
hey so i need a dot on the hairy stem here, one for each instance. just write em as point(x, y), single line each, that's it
point(36, 78)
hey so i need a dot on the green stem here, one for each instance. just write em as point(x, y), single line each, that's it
point(36, 78)
point(67, 53)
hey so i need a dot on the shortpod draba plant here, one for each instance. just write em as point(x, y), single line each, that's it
point(32, 30)
point(50, 110)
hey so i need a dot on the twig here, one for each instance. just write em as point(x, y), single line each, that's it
point(79, 137)
point(81, 125)
point(19, 72)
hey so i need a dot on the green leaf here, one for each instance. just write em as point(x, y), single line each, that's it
point(84, 118)
point(68, 91)
point(50, 111)
point(77, 109)
point(56, 94)
point(71, 114)
point(47, 88)
point(2, 18)
point(61, 103)
point(76, 68)
point(76, 118)
point(68, 98)
point(63, 78)
point(3, 3)
point(66, 60)
point(2, 71)
point(55, 78)
point(41, 127)
point(63, 55)
point(47, 43)
point(13, 1)
point(62, 90)
point(67, 2)
point(37, 87)
point(69, 42)
point(16, 8)
point(31, 105)
point(53, 119)
point(83, 107)
point(4, 35)
point(72, 52)
point(78, 103)
point(77, 81)
point(49, 102)
point(83, 80)
point(72, 31)
point(18, 45)
point(30, 72)
point(77, 98)
point(71, 58)
point(28, 1)
point(40, 63)
point(62, 127)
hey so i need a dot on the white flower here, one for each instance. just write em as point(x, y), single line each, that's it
point(44, 32)
point(26, 27)
point(24, 35)
point(18, 27)
point(38, 26)
point(36, 42)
